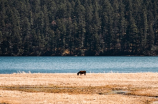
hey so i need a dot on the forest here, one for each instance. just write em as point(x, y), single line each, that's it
point(78, 27)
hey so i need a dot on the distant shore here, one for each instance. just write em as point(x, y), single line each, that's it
point(138, 88)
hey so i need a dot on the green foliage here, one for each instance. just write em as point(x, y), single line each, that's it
point(79, 27)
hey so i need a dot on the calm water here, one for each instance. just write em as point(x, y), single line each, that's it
point(74, 64)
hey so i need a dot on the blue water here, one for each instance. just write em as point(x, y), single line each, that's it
point(10, 65)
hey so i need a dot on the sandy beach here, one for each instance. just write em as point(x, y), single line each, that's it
point(68, 88)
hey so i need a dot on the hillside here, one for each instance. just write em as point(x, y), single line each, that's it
point(78, 27)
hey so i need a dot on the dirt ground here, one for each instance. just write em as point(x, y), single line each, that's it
point(68, 88)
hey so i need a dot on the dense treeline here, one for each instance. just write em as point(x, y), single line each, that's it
point(78, 27)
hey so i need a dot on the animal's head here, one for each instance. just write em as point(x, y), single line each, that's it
point(78, 73)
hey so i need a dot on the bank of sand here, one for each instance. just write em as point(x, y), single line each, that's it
point(102, 88)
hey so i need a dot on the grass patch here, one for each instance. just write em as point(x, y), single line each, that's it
point(101, 90)
point(60, 89)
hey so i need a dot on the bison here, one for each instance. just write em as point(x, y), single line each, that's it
point(81, 72)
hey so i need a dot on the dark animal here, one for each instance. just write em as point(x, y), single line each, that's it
point(81, 72)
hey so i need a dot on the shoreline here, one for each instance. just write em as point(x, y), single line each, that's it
point(66, 88)
point(72, 78)
point(23, 72)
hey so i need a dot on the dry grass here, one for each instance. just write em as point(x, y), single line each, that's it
point(109, 88)
point(65, 89)
point(101, 90)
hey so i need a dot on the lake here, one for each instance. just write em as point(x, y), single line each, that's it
point(99, 64)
